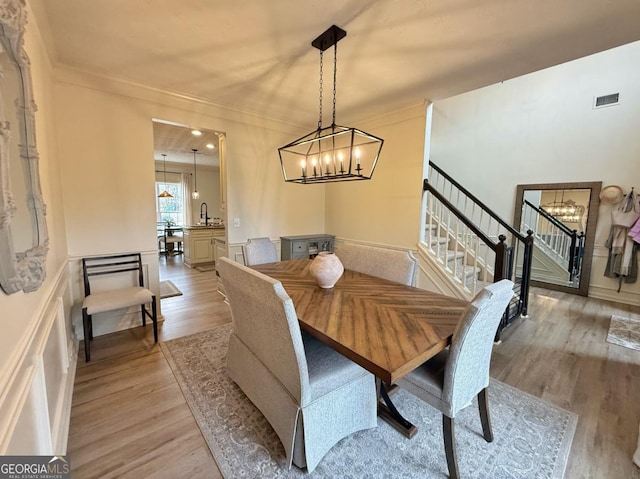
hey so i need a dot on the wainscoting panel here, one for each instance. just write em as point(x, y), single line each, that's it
point(36, 403)
point(601, 287)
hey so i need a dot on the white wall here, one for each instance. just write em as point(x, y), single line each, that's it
point(386, 209)
point(541, 128)
point(106, 137)
point(37, 349)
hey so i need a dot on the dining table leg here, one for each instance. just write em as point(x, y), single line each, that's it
point(389, 413)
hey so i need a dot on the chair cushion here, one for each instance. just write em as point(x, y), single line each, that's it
point(430, 375)
point(174, 239)
point(328, 369)
point(116, 299)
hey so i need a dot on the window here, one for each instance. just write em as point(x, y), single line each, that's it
point(170, 208)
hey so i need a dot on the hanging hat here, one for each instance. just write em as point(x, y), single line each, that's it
point(611, 194)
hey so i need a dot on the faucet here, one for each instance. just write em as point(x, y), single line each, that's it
point(204, 215)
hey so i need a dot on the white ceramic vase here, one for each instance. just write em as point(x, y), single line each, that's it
point(327, 269)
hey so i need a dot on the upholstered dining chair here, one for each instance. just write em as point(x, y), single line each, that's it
point(394, 265)
point(259, 251)
point(311, 395)
point(450, 380)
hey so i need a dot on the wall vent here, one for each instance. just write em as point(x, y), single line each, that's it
point(606, 100)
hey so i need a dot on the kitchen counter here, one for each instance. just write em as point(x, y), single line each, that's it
point(199, 243)
point(203, 227)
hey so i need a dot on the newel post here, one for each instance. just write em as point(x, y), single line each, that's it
point(526, 272)
point(500, 267)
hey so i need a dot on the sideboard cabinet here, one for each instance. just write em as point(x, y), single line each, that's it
point(304, 246)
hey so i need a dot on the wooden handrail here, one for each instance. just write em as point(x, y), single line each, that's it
point(506, 225)
point(565, 229)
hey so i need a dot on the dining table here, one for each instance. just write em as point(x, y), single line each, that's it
point(388, 328)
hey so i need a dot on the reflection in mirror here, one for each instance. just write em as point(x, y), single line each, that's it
point(562, 217)
point(23, 228)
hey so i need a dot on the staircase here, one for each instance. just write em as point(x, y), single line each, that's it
point(558, 250)
point(471, 245)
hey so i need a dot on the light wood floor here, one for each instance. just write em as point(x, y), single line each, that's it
point(129, 418)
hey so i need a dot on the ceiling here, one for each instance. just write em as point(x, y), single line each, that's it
point(255, 55)
point(178, 142)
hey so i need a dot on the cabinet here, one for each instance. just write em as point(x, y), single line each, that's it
point(304, 246)
point(199, 244)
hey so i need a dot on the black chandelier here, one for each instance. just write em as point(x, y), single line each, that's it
point(333, 153)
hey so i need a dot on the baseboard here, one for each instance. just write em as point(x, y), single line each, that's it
point(607, 294)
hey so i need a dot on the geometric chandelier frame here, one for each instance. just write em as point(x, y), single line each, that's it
point(333, 153)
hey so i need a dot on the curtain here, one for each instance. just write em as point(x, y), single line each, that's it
point(186, 198)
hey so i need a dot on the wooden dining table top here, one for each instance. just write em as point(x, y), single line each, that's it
point(386, 327)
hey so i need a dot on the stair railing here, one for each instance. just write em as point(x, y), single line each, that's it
point(560, 243)
point(499, 246)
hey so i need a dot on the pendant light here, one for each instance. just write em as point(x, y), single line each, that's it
point(165, 193)
point(195, 195)
point(333, 153)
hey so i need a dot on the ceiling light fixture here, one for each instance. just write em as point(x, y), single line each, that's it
point(210, 146)
point(165, 193)
point(333, 153)
point(196, 132)
point(195, 195)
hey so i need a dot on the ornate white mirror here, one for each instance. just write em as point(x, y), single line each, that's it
point(23, 229)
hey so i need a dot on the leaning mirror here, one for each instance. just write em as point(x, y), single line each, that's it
point(562, 217)
point(23, 228)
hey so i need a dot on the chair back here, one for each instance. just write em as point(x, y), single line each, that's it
point(265, 320)
point(259, 251)
point(115, 269)
point(393, 265)
point(467, 369)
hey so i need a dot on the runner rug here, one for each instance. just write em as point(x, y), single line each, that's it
point(168, 289)
point(532, 438)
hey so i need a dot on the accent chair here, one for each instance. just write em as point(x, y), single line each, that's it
point(122, 286)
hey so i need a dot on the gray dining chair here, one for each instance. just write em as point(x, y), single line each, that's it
point(451, 379)
point(311, 395)
point(259, 251)
point(394, 265)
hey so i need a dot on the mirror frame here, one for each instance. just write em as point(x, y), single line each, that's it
point(24, 270)
point(589, 234)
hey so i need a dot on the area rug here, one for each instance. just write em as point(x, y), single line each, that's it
point(624, 332)
point(168, 289)
point(206, 267)
point(532, 437)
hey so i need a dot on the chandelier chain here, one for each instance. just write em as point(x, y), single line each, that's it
point(335, 72)
point(320, 117)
